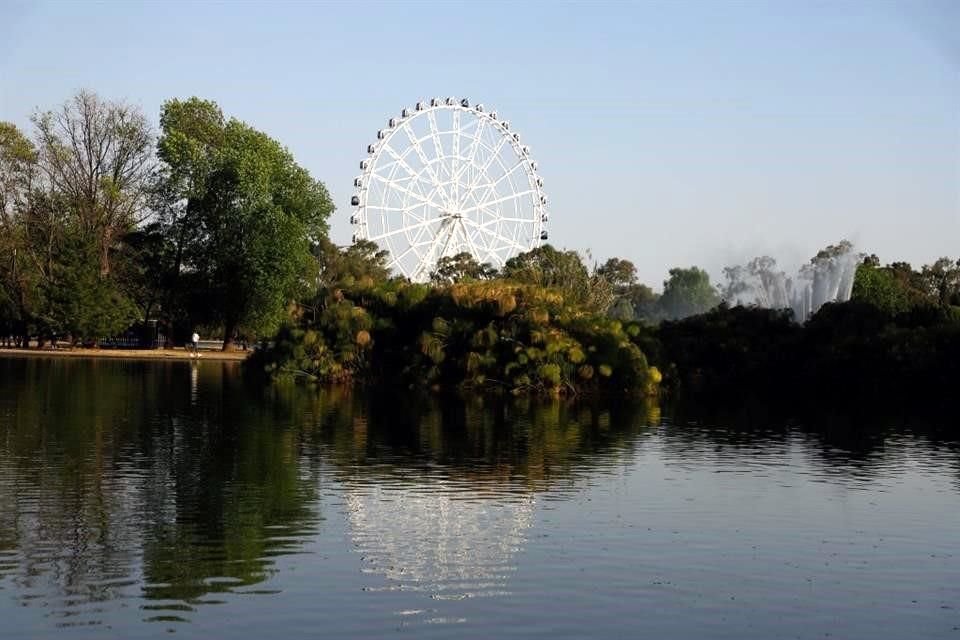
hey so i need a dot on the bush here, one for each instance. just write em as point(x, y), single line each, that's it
point(483, 334)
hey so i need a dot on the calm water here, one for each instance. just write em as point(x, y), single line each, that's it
point(138, 499)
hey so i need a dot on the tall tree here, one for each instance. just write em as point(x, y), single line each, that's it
point(243, 215)
point(688, 292)
point(97, 155)
point(942, 281)
point(879, 287)
point(17, 172)
point(619, 272)
point(362, 259)
point(462, 266)
point(565, 271)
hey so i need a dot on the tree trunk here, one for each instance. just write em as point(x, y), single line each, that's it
point(229, 331)
point(105, 255)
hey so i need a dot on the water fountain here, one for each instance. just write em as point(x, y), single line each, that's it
point(828, 277)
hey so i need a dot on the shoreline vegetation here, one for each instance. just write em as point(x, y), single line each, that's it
point(480, 335)
point(113, 234)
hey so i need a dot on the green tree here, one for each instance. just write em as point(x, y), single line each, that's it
point(618, 272)
point(879, 287)
point(688, 292)
point(463, 266)
point(361, 260)
point(242, 214)
point(632, 300)
point(18, 168)
point(564, 271)
point(82, 303)
point(644, 301)
point(942, 281)
point(897, 287)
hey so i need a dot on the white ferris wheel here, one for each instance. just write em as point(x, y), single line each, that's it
point(444, 178)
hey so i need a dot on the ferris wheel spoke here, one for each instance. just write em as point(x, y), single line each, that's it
point(486, 239)
point(426, 162)
point(477, 135)
point(486, 165)
point(492, 187)
point(440, 241)
point(405, 229)
point(399, 258)
point(520, 220)
point(455, 158)
point(378, 208)
point(415, 241)
point(392, 184)
point(435, 134)
point(401, 162)
point(490, 203)
point(497, 236)
point(469, 239)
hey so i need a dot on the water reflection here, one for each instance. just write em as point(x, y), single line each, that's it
point(428, 538)
point(440, 493)
point(161, 488)
point(113, 485)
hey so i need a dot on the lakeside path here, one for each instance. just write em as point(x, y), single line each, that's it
point(129, 354)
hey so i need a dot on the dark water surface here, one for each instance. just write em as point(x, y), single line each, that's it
point(141, 498)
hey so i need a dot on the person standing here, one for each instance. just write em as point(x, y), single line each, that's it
point(195, 339)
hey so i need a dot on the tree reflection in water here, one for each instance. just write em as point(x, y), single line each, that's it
point(173, 485)
point(174, 482)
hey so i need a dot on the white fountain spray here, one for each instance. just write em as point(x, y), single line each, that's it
point(828, 277)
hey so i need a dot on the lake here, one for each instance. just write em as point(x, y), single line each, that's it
point(143, 498)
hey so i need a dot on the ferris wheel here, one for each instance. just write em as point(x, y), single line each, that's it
point(445, 178)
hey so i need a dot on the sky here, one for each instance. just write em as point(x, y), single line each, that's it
point(668, 133)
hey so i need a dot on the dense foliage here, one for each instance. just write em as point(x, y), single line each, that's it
point(484, 335)
point(846, 351)
point(100, 228)
point(241, 214)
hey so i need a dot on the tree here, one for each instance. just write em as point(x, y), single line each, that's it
point(879, 287)
point(242, 214)
point(942, 281)
point(565, 271)
point(644, 301)
point(463, 266)
point(362, 259)
point(618, 272)
point(97, 156)
point(82, 303)
point(898, 288)
point(632, 300)
point(688, 292)
point(18, 168)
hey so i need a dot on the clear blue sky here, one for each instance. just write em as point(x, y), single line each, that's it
point(670, 133)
